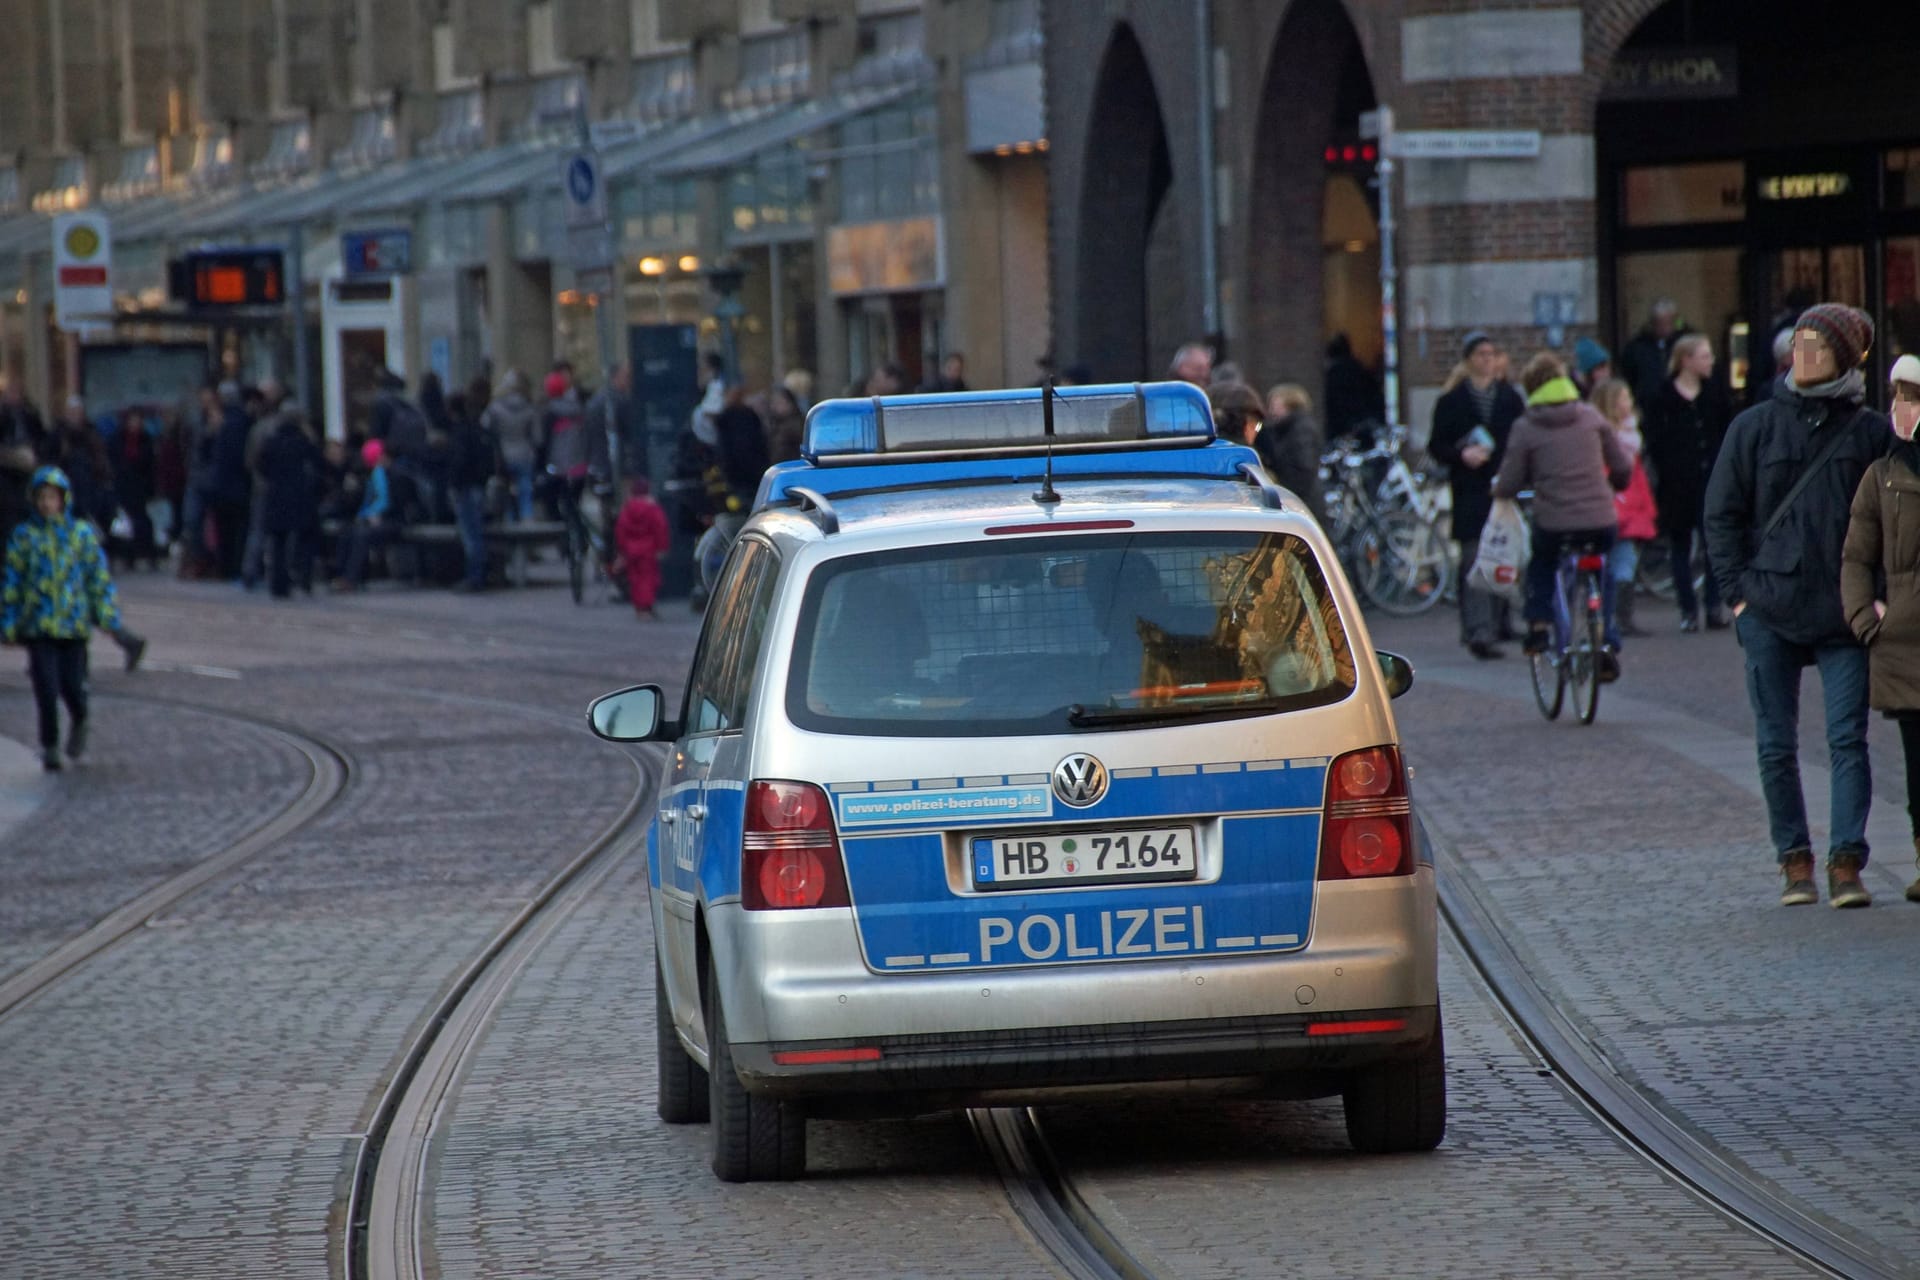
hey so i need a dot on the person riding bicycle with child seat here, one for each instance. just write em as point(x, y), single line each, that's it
point(1568, 454)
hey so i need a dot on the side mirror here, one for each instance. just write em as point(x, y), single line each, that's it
point(1397, 672)
point(631, 715)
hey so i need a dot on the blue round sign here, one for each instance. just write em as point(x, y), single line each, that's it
point(581, 180)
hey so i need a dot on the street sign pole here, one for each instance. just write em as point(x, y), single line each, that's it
point(1380, 124)
point(297, 313)
point(590, 229)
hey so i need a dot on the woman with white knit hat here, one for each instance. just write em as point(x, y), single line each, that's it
point(1880, 580)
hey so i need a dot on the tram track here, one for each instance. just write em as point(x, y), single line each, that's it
point(331, 772)
point(1042, 1191)
point(386, 1218)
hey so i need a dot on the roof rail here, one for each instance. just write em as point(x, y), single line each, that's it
point(1271, 494)
point(812, 499)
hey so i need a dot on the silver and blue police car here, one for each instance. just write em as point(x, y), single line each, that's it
point(1033, 747)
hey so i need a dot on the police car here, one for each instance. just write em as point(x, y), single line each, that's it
point(1033, 747)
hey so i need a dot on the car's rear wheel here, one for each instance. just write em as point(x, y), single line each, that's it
point(679, 1082)
point(1399, 1106)
point(754, 1139)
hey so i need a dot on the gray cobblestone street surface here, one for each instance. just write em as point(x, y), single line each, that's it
point(1630, 864)
point(189, 1102)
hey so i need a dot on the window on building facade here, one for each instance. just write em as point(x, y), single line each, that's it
point(372, 140)
point(212, 155)
point(139, 174)
point(658, 215)
point(773, 68)
point(554, 110)
point(889, 164)
point(460, 122)
point(1680, 194)
point(1903, 178)
point(289, 148)
point(662, 88)
point(892, 50)
point(769, 197)
point(9, 190)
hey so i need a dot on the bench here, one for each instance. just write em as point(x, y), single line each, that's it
point(517, 541)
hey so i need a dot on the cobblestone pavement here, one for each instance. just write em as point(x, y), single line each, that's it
point(189, 1102)
point(1629, 863)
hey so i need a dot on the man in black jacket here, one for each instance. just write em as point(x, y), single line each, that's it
point(1775, 546)
point(1470, 426)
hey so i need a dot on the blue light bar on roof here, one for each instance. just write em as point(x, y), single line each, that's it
point(1119, 415)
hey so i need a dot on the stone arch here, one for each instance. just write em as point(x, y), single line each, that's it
point(1126, 173)
point(1316, 76)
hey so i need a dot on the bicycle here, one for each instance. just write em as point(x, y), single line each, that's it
point(1395, 558)
point(584, 541)
point(1579, 636)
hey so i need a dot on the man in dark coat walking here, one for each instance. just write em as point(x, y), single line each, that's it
point(1643, 361)
point(1776, 547)
point(1470, 426)
point(288, 466)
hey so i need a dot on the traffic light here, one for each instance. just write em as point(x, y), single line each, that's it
point(217, 279)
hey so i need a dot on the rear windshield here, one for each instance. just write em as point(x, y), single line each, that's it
point(1043, 635)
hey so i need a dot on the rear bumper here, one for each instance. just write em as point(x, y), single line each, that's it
point(965, 1068)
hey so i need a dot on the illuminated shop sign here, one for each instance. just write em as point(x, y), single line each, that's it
point(1805, 186)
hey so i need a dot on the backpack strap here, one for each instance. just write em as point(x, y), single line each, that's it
point(1820, 458)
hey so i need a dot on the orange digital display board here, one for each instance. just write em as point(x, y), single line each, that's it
point(235, 278)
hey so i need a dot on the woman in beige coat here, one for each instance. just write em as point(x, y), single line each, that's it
point(1880, 581)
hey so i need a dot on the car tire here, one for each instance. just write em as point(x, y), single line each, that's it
point(754, 1139)
point(679, 1082)
point(1400, 1106)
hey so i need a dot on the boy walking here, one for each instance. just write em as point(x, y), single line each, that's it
point(57, 589)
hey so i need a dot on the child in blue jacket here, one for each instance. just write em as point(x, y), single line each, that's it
point(57, 589)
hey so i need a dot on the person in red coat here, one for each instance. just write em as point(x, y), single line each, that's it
point(641, 537)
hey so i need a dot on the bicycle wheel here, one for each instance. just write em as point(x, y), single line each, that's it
point(1591, 637)
point(1549, 682)
point(577, 560)
point(1407, 564)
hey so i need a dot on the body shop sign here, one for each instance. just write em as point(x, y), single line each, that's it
point(1652, 75)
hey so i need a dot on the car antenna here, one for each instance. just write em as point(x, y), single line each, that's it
point(1047, 495)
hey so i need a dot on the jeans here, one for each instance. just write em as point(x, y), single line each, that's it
point(58, 670)
point(1543, 575)
point(1773, 687)
point(1680, 554)
point(359, 542)
point(1483, 615)
point(470, 513)
point(521, 474)
point(1623, 562)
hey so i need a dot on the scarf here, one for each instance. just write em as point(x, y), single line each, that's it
point(1850, 386)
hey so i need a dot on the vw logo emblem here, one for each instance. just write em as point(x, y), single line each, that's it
point(1080, 780)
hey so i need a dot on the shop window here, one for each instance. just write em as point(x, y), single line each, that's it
point(1704, 282)
point(1679, 194)
point(769, 197)
point(1903, 296)
point(1903, 178)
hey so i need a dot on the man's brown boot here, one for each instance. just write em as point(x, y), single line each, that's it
point(1798, 872)
point(1843, 882)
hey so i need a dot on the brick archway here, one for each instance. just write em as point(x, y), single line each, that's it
point(1314, 49)
point(1126, 171)
point(1608, 25)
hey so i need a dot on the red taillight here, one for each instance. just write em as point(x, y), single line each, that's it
point(1379, 1026)
point(790, 857)
point(1591, 564)
point(822, 1057)
point(1368, 826)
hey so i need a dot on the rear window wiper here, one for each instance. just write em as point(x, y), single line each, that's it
point(1083, 717)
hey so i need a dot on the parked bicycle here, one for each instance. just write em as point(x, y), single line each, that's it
point(1395, 557)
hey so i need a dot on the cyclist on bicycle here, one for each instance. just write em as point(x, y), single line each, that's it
point(1568, 454)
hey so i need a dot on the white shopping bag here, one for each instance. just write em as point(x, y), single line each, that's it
point(1506, 545)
